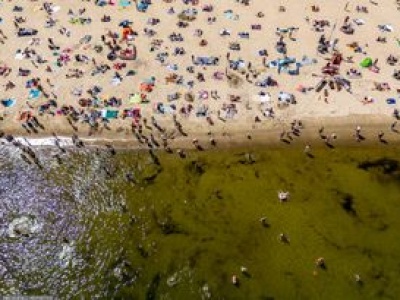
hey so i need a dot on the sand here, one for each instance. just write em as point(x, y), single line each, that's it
point(339, 107)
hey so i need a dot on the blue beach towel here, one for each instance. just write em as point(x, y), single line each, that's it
point(8, 102)
point(391, 101)
point(109, 114)
point(142, 6)
point(125, 3)
point(34, 94)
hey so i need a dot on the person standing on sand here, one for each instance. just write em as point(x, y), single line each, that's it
point(181, 153)
point(213, 142)
point(328, 141)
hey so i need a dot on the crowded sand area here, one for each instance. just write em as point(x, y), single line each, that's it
point(148, 71)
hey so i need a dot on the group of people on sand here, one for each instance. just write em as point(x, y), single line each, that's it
point(114, 54)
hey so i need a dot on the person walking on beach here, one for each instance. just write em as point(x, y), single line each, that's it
point(321, 132)
point(380, 136)
point(358, 129)
point(282, 135)
point(358, 133)
point(393, 126)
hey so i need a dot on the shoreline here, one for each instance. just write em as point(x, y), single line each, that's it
point(266, 134)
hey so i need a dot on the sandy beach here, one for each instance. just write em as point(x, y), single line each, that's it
point(179, 70)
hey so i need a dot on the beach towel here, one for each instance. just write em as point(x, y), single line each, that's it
point(230, 15)
point(169, 109)
point(109, 114)
point(162, 108)
point(116, 81)
point(306, 61)
point(150, 80)
point(264, 97)
point(135, 99)
point(281, 62)
point(101, 2)
point(8, 102)
point(124, 3)
point(19, 56)
point(285, 97)
point(131, 113)
point(391, 101)
point(142, 6)
point(34, 94)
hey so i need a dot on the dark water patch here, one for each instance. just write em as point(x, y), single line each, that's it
point(169, 227)
point(382, 227)
point(388, 167)
point(347, 202)
point(195, 257)
point(370, 253)
point(150, 176)
point(327, 240)
point(142, 251)
point(166, 224)
point(298, 172)
point(216, 194)
point(151, 293)
point(267, 298)
point(196, 167)
point(377, 221)
point(377, 273)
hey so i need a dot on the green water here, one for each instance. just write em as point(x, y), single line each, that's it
point(198, 220)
